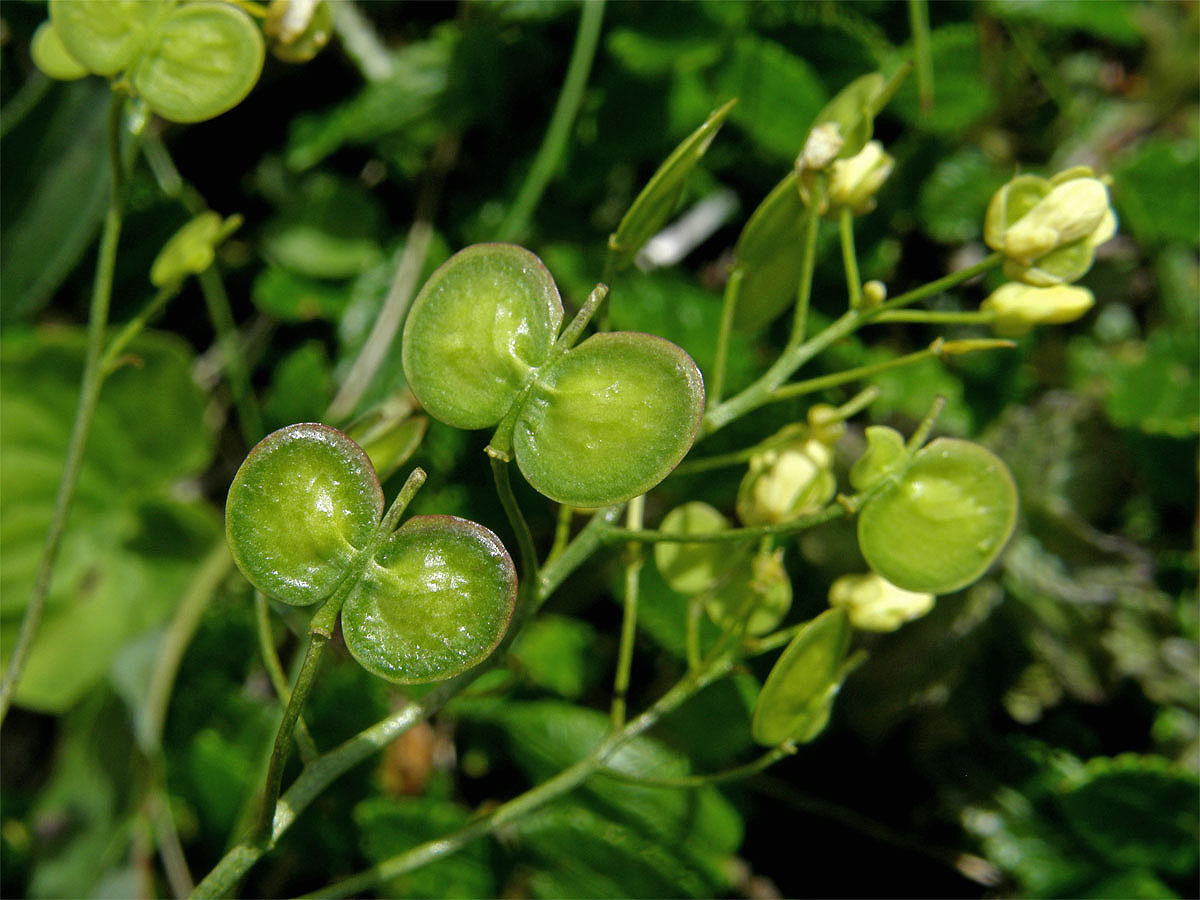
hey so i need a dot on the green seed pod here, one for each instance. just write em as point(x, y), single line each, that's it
point(938, 524)
point(191, 249)
point(482, 322)
point(51, 55)
point(434, 602)
point(797, 698)
point(106, 36)
point(692, 568)
point(302, 506)
point(609, 419)
point(592, 425)
point(203, 60)
point(757, 595)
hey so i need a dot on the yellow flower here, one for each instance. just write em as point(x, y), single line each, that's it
point(1018, 307)
point(875, 604)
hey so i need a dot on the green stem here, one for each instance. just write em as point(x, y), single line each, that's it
point(550, 154)
point(793, 357)
point(283, 738)
point(516, 519)
point(523, 804)
point(650, 536)
point(634, 513)
point(721, 461)
point(849, 258)
point(939, 317)
point(133, 328)
point(733, 290)
point(89, 394)
point(811, 385)
point(695, 612)
point(735, 773)
point(808, 263)
point(221, 315)
point(326, 769)
point(266, 646)
point(562, 530)
point(918, 20)
point(571, 333)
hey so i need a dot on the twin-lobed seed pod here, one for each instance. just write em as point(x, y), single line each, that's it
point(590, 425)
point(188, 61)
point(304, 520)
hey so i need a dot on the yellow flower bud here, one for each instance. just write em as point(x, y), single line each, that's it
point(874, 293)
point(1018, 307)
point(853, 182)
point(786, 482)
point(875, 604)
point(1049, 229)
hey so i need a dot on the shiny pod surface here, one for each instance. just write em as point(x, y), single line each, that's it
point(939, 525)
point(435, 601)
point(797, 698)
point(757, 595)
point(690, 568)
point(484, 319)
point(202, 60)
point(301, 507)
point(609, 419)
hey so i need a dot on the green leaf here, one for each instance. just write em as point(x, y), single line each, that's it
point(1154, 387)
point(559, 654)
point(303, 504)
point(778, 95)
point(125, 537)
point(938, 525)
point(389, 827)
point(961, 94)
point(301, 388)
point(609, 419)
point(52, 208)
point(1146, 191)
point(295, 298)
point(200, 61)
point(657, 200)
point(797, 697)
point(476, 329)
point(768, 253)
point(1112, 20)
point(954, 198)
point(435, 601)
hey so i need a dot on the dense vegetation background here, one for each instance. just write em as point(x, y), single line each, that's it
point(1036, 735)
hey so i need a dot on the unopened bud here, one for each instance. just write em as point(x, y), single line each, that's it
point(853, 182)
point(873, 293)
point(787, 482)
point(821, 148)
point(875, 604)
point(1018, 307)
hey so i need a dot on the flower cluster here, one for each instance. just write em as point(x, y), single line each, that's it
point(1048, 231)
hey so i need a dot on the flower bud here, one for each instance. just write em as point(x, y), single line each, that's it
point(853, 182)
point(874, 293)
point(875, 604)
point(786, 482)
point(1018, 307)
point(821, 147)
point(1049, 229)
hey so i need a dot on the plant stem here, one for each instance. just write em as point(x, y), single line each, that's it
point(538, 796)
point(811, 385)
point(733, 290)
point(808, 264)
point(633, 568)
point(939, 317)
point(217, 301)
point(650, 536)
point(550, 154)
point(795, 356)
point(849, 257)
point(735, 773)
point(133, 328)
point(918, 20)
point(516, 519)
point(266, 646)
point(283, 738)
point(89, 393)
point(562, 530)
